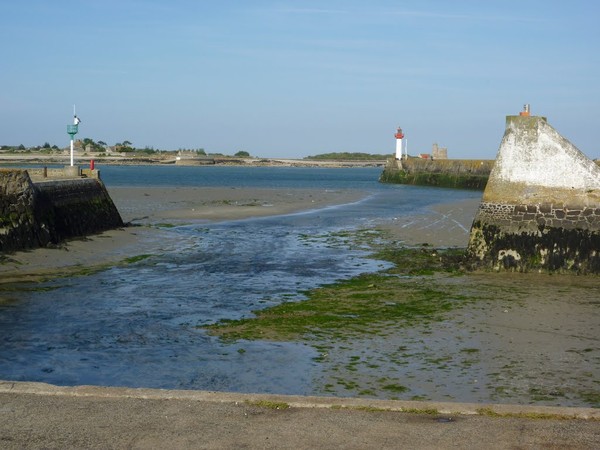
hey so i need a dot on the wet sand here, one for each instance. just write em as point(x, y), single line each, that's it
point(146, 209)
point(177, 205)
point(447, 225)
point(509, 338)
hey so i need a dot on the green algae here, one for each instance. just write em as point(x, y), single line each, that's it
point(137, 258)
point(445, 180)
point(27, 281)
point(366, 304)
point(350, 323)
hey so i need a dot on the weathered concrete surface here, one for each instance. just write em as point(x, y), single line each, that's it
point(541, 207)
point(37, 415)
point(535, 164)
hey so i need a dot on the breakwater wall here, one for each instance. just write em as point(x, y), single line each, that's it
point(452, 173)
point(41, 173)
point(540, 210)
point(38, 214)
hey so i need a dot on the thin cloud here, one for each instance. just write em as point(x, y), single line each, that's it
point(409, 13)
point(311, 11)
point(449, 16)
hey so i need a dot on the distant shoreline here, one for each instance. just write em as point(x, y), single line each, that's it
point(36, 159)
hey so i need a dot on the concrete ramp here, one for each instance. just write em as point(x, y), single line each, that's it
point(540, 210)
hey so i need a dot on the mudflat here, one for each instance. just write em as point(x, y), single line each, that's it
point(148, 209)
point(509, 338)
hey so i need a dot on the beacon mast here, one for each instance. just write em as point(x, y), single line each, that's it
point(72, 131)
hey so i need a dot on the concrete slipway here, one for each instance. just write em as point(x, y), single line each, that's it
point(38, 415)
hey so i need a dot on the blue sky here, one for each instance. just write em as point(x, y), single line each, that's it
point(295, 78)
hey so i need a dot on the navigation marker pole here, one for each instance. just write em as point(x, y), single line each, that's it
point(72, 131)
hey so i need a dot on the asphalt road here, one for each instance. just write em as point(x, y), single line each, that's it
point(36, 415)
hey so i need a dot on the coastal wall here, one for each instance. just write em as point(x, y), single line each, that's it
point(453, 173)
point(540, 210)
point(40, 173)
point(47, 212)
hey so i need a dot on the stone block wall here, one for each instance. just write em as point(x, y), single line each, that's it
point(532, 216)
point(448, 166)
point(38, 214)
point(453, 173)
point(548, 249)
point(25, 222)
point(42, 173)
point(80, 206)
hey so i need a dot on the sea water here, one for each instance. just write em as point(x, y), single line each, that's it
point(141, 325)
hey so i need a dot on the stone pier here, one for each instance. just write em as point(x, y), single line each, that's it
point(540, 209)
point(46, 212)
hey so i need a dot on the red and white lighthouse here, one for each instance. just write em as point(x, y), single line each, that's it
point(399, 141)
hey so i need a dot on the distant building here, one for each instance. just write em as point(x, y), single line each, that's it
point(438, 152)
point(187, 154)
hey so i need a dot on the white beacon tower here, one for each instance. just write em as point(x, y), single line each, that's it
point(399, 139)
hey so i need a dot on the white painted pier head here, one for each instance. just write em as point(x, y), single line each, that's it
point(540, 210)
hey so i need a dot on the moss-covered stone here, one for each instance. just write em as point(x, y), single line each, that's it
point(460, 174)
point(37, 214)
point(550, 249)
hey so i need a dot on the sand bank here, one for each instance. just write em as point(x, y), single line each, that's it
point(143, 205)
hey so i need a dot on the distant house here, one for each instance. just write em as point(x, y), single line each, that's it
point(187, 154)
point(193, 158)
point(424, 156)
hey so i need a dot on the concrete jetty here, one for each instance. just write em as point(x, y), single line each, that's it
point(540, 210)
